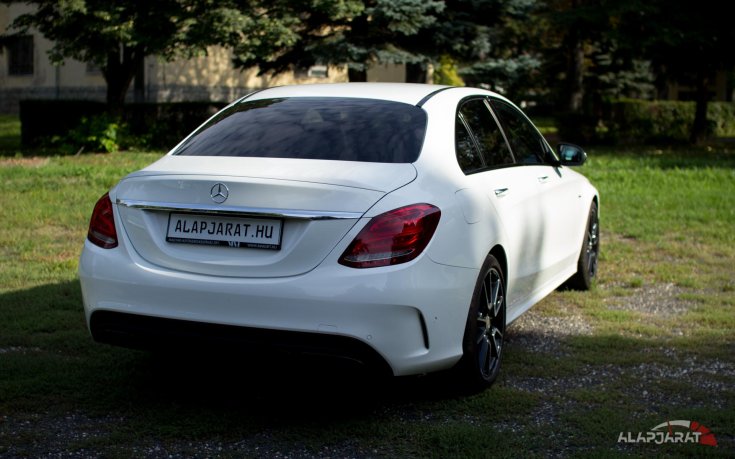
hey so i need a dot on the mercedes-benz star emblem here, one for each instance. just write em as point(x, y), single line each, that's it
point(219, 193)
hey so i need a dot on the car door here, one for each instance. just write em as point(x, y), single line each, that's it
point(486, 159)
point(558, 201)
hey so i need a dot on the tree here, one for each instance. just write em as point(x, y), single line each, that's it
point(688, 42)
point(459, 35)
point(117, 35)
point(573, 28)
point(604, 46)
point(357, 33)
point(587, 58)
point(509, 57)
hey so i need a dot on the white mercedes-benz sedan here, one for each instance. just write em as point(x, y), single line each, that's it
point(399, 225)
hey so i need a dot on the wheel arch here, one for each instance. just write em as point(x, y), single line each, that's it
point(499, 253)
point(471, 376)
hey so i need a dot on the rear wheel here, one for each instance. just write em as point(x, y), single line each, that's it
point(484, 336)
point(587, 262)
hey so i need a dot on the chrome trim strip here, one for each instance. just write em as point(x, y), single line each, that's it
point(240, 211)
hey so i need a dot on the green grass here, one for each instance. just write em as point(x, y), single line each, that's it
point(667, 219)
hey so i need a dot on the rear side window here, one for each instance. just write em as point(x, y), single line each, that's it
point(468, 156)
point(345, 129)
point(493, 149)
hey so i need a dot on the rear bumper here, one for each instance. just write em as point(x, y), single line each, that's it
point(409, 318)
point(145, 332)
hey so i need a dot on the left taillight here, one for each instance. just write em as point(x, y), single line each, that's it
point(102, 224)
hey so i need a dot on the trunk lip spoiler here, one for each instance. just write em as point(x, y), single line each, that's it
point(241, 211)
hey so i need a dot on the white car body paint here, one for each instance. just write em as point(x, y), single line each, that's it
point(412, 315)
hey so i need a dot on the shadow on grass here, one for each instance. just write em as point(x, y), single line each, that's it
point(9, 145)
point(8, 150)
point(50, 363)
point(51, 369)
point(714, 155)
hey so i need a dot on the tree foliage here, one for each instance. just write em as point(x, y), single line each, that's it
point(446, 72)
point(355, 33)
point(361, 33)
point(508, 57)
point(572, 54)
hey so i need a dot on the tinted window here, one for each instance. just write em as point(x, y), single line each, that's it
point(317, 128)
point(468, 156)
point(20, 55)
point(527, 144)
point(493, 148)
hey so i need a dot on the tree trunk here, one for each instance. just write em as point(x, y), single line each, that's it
point(699, 128)
point(119, 73)
point(575, 74)
point(355, 75)
point(574, 46)
point(359, 32)
point(416, 73)
point(139, 83)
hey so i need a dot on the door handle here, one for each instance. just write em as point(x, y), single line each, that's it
point(501, 192)
point(543, 179)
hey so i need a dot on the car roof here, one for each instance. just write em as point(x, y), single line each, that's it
point(409, 93)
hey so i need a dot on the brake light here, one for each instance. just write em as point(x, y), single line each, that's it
point(102, 224)
point(392, 238)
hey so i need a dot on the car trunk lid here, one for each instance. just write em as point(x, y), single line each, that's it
point(305, 206)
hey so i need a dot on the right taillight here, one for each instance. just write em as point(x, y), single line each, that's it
point(394, 237)
point(102, 224)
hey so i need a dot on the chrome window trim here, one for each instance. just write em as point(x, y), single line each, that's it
point(240, 211)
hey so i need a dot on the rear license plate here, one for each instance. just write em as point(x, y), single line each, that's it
point(257, 233)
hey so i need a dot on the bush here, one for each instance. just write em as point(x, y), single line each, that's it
point(577, 128)
point(634, 121)
point(95, 134)
point(42, 120)
point(722, 117)
point(72, 124)
point(163, 125)
point(646, 122)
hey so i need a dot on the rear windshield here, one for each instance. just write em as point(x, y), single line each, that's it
point(344, 129)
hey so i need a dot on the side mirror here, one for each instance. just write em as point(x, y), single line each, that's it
point(571, 155)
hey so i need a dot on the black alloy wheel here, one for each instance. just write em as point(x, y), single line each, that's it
point(584, 278)
point(485, 330)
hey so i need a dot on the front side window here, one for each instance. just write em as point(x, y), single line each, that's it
point(527, 144)
point(20, 55)
point(493, 149)
point(332, 128)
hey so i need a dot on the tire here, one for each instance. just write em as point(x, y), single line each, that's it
point(584, 278)
point(483, 340)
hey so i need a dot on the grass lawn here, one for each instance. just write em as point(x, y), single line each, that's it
point(659, 345)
